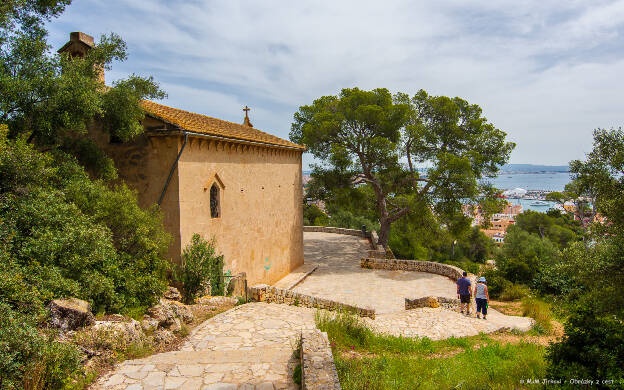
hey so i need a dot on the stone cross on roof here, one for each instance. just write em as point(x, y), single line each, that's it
point(246, 121)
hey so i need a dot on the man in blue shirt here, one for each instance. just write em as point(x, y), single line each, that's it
point(464, 293)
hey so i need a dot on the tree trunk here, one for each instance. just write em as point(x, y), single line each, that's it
point(384, 233)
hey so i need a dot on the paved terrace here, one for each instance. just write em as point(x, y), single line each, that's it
point(340, 278)
point(251, 346)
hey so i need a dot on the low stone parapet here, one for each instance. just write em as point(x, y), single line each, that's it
point(371, 236)
point(449, 271)
point(318, 371)
point(270, 294)
point(444, 302)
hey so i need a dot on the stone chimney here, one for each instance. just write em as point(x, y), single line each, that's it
point(78, 46)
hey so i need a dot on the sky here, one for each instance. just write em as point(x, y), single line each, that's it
point(545, 72)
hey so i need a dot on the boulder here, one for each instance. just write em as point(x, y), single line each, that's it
point(163, 336)
point(149, 324)
point(70, 314)
point(173, 294)
point(118, 333)
point(166, 312)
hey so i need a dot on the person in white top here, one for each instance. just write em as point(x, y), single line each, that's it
point(482, 297)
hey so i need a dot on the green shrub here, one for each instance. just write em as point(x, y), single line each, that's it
point(592, 347)
point(32, 360)
point(64, 234)
point(199, 265)
point(514, 292)
point(496, 282)
point(540, 312)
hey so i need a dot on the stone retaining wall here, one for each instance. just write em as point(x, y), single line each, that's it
point(270, 294)
point(449, 271)
point(318, 371)
point(376, 250)
point(447, 303)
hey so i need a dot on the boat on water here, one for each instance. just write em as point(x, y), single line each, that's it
point(539, 203)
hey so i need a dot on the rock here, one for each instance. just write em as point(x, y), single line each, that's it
point(237, 285)
point(173, 294)
point(70, 314)
point(177, 325)
point(167, 311)
point(217, 301)
point(163, 336)
point(149, 324)
point(119, 332)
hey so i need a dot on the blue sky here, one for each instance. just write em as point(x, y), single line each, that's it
point(546, 72)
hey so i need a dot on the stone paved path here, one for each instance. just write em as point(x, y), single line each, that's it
point(248, 347)
point(438, 324)
point(251, 346)
point(340, 278)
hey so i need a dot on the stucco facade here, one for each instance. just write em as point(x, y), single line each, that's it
point(259, 229)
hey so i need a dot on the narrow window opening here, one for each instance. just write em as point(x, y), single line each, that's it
point(215, 207)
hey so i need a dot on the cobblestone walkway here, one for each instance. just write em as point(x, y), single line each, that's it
point(340, 278)
point(440, 323)
point(249, 347)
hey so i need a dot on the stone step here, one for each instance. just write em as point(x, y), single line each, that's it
point(253, 356)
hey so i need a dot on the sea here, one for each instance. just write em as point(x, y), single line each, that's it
point(547, 181)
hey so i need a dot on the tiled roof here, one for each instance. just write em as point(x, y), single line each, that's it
point(212, 126)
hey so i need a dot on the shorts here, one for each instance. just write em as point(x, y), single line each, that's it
point(464, 298)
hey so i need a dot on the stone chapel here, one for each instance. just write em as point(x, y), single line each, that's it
point(220, 179)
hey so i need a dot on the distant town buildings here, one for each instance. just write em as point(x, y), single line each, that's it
point(498, 222)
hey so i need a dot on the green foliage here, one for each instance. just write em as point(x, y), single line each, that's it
point(362, 135)
point(52, 99)
point(592, 347)
point(524, 255)
point(63, 234)
point(30, 359)
point(496, 282)
point(387, 362)
point(514, 292)
point(200, 264)
point(560, 229)
point(314, 216)
point(540, 312)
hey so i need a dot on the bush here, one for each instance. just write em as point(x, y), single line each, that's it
point(63, 234)
point(514, 292)
point(199, 265)
point(592, 347)
point(31, 360)
point(496, 282)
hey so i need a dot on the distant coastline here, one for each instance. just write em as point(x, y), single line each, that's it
point(514, 169)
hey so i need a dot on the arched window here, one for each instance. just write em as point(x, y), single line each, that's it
point(215, 206)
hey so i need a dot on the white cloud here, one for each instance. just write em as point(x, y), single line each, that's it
point(544, 71)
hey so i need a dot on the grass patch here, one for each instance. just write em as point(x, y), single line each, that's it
point(540, 312)
point(514, 292)
point(366, 360)
point(491, 366)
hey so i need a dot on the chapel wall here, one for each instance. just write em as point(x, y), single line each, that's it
point(144, 164)
point(260, 229)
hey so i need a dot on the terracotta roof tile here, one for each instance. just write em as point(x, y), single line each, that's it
point(212, 126)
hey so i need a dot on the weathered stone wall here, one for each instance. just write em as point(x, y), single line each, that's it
point(318, 371)
point(270, 294)
point(446, 303)
point(449, 271)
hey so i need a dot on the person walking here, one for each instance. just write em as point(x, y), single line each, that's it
point(482, 297)
point(464, 292)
